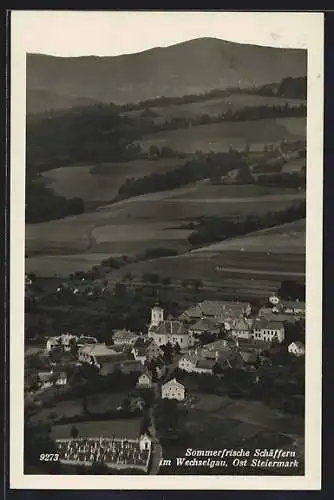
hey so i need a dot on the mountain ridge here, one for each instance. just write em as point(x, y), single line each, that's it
point(195, 66)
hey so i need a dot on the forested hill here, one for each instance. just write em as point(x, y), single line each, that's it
point(195, 66)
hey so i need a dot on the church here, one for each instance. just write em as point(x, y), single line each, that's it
point(164, 331)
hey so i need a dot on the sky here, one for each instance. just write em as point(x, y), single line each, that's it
point(110, 33)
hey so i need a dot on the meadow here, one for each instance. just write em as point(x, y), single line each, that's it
point(219, 137)
point(215, 107)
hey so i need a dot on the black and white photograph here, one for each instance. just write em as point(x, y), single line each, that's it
point(166, 255)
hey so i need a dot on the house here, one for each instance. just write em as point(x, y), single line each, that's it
point(145, 350)
point(145, 442)
point(98, 354)
point(206, 366)
point(200, 361)
point(221, 312)
point(173, 390)
point(204, 325)
point(124, 337)
point(241, 328)
point(50, 378)
point(297, 348)
point(144, 381)
point(274, 313)
point(268, 331)
point(294, 307)
point(188, 362)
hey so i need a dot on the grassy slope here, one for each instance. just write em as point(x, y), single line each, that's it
point(220, 136)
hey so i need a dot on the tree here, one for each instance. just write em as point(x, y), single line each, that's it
point(74, 432)
point(244, 175)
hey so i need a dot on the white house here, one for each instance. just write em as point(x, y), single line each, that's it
point(145, 381)
point(297, 348)
point(268, 331)
point(173, 390)
point(145, 442)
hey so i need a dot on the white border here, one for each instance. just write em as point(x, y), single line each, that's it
point(312, 25)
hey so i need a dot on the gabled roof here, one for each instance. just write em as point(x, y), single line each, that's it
point(248, 356)
point(147, 373)
point(173, 382)
point(297, 304)
point(240, 324)
point(216, 309)
point(142, 343)
point(298, 344)
point(264, 324)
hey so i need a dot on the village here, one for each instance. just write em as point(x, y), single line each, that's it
point(180, 365)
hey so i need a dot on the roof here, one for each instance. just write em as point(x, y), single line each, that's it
point(298, 344)
point(147, 375)
point(264, 324)
point(266, 312)
point(114, 358)
point(206, 363)
point(241, 324)
point(174, 382)
point(219, 345)
point(142, 343)
point(293, 304)
point(216, 309)
point(124, 335)
point(99, 350)
point(191, 356)
point(173, 327)
point(205, 324)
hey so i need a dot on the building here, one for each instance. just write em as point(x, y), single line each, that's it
point(268, 331)
point(98, 354)
point(173, 332)
point(221, 312)
point(124, 337)
point(50, 378)
point(295, 307)
point(297, 348)
point(144, 381)
point(173, 390)
point(204, 325)
point(145, 350)
point(274, 313)
point(241, 328)
point(158, 365)
point(85, 340)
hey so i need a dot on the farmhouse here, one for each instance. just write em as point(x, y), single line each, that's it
point(297, 348)
point(145, 350)
point(64, 341)
point(268, 331)
point(124, 337)
point(145, 381)
point(173, 390)
point(222, 313)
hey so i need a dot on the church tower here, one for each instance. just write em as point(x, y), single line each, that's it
point(157, 315)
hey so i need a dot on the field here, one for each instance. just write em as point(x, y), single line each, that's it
point(80, 181)
point(219, 422)
point(253, 265)
point(221, 136)
point(132, 226)
point(214, 107)
point(129, 428)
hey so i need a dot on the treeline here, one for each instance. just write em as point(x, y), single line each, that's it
point(212, 230)
point(199, 167)
point(288, 87)
point(42, 204)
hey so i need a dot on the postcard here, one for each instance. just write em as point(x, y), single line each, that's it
point(166, 250)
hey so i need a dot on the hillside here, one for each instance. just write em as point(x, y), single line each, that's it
point(195, 66)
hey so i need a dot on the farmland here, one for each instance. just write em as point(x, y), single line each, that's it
point(221, 136)
point(100, 183)
point(131, 226)
point(214, 107)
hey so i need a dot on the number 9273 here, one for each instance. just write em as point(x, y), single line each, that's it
point(49, 457)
